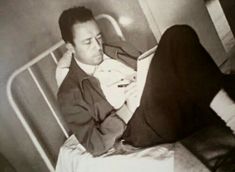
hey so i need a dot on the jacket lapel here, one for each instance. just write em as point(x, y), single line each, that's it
point(79, 76)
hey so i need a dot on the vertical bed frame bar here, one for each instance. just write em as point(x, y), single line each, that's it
point(48, 102)
point(54, 57)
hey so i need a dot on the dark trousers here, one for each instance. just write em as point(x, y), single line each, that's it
point(181, 82)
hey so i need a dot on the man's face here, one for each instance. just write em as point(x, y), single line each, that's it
point(88, 43)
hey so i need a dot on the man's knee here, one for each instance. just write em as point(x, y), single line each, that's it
point(180, 33)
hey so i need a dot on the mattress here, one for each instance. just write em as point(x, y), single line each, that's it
point(162, 158)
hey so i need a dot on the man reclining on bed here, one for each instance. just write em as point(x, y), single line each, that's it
point(183, 89)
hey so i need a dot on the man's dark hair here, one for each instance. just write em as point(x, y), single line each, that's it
point(70, 17)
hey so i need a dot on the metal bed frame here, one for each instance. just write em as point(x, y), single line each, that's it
point(27, 67)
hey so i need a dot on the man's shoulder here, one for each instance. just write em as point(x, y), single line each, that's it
point(111, 48)
point(67, 85)
point(123, 51)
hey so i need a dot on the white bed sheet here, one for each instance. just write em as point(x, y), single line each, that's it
point(73, 158)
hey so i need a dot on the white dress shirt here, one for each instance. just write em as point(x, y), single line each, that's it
point(113, 76)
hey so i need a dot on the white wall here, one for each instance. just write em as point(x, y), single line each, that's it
point(192, 12)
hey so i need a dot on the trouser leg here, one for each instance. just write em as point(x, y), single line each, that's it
point(229, 85)
point(182, 78)
point(182, 61)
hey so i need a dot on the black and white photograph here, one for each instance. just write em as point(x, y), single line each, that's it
point(117, 86)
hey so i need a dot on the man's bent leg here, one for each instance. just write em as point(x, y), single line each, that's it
point(181, 77)
point(200, 80)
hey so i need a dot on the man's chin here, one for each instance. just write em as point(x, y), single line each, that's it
point(99, 60)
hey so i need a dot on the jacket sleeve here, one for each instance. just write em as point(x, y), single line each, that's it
point(96, 137)
point(123, 51)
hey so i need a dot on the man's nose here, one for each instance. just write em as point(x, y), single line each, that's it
point(98, 44)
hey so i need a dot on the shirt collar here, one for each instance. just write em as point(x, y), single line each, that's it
point(77, 73)
point(88, 69)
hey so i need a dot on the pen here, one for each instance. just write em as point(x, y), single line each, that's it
point(123, 85)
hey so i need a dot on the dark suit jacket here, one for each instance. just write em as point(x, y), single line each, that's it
point(89, 115)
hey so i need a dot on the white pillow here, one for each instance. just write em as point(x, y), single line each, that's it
point(62, 68)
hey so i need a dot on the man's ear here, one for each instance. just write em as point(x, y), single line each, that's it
point(70, 47)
